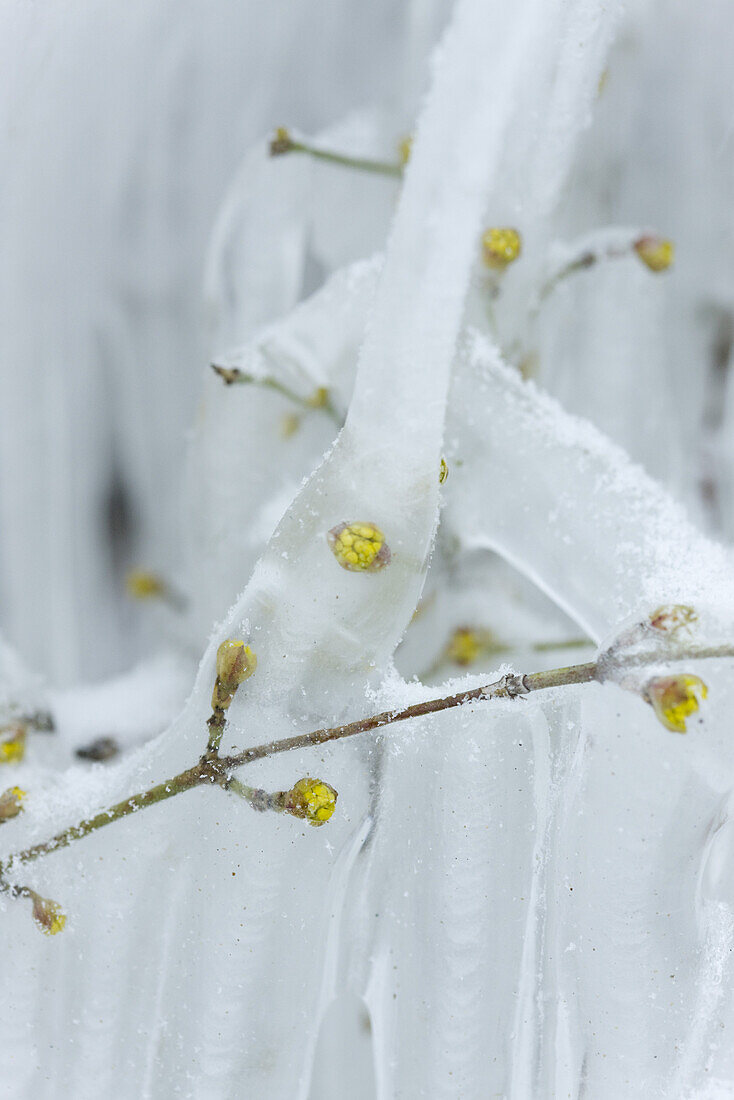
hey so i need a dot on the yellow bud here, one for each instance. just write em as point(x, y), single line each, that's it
point(528, 365)
point(48, 915)
point(319, 399)
point(359, 547)
point(443, 471)
point(501, 246)
point(467, 645)
point(656, 253)
point(12, 747)
point(289, 425)
point(236, 662)
point(675, 698)
point(142, 585)
point(405, 148)
point(282, 142)
point(11, 803)
point(672, 617)
point(311, 799)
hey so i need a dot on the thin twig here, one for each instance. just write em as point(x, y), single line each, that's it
point(201, 773)
point(217, 769)
point(233, 376)
point(508, 687)
point(362, 164)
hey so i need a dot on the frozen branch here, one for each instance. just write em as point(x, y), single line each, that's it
point(313, 799)
point(284, 143)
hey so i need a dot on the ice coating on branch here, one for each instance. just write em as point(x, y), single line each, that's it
point(601, 515)
point(234, 506)
point(257, 249)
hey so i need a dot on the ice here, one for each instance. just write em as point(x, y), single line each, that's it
point(533, 897)
point(601, 561)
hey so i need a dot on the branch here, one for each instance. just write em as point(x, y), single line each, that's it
point(284, 143)
point(320, 399)
point(508, 687)
point(311, 798)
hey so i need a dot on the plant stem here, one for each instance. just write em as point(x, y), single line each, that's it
point(362, 164)
point(321, 400)
point(259, 799)
point(216, 725)
point(204, 772)
point(215, 769)
point(569, 643)
point(508, 687)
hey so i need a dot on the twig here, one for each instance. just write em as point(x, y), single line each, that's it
point(508, 687)
point(217, 769)
point(184, 781)
point(284, 143)
point(233, 376)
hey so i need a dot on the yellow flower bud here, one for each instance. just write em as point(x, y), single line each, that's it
point(319, 399)
point(656, 253)
point(282, 142)
point(289, 425)
point(48, 915)
point(11, 803)
point(467, 645)
point(675, 698)
point(359, 547)
point(142, 585)
point(236, 662)
point(443, 471)
point(670, 618)
point(405, 148)
point(12, 747)
point(501, 247)
point(311, 799)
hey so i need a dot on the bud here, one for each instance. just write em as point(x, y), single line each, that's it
point(230, 375)
point(319, 399)
point(282, 142)
point(102, 748)
point(501, 247)
point(12, 747)
point(359, 547)
point(443, 471)
point(289, 425)
point(11, 803)
point(311, 799)
point(467, 645)
point(675, 698)
point(48, 915)
point(673, 617)
point(656, 253)
point(236, 662)
point(142, 585)
point(405, 148)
